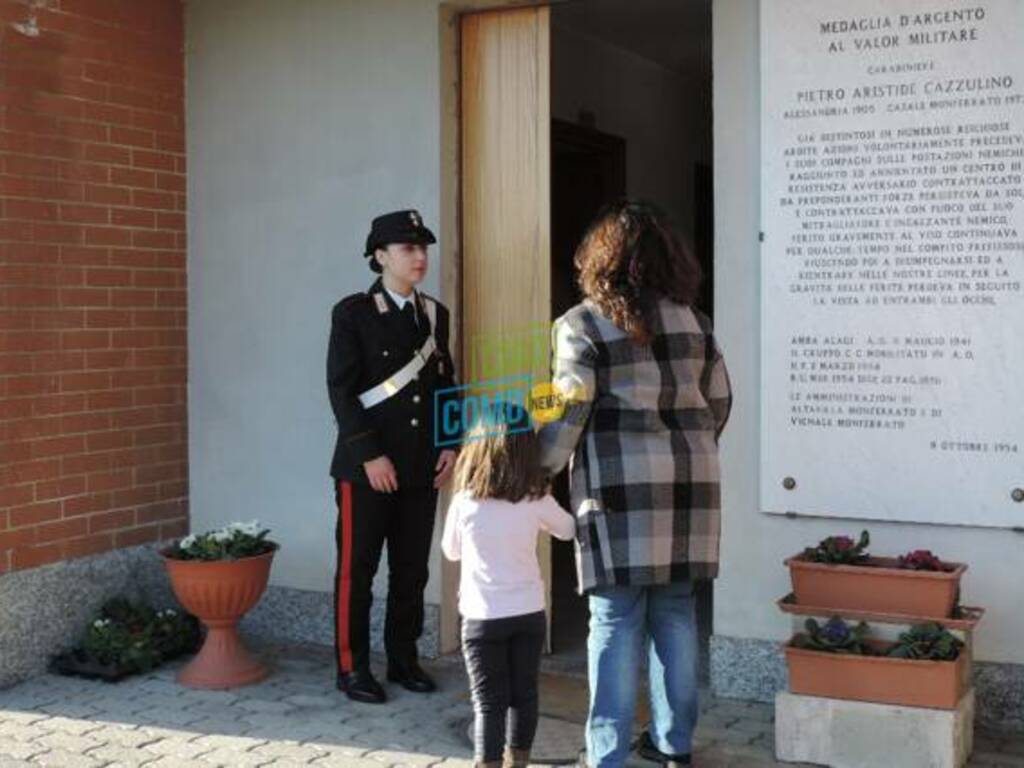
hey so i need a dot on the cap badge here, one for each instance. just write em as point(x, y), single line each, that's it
point(415, 219)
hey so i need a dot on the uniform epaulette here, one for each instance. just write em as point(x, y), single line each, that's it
point(352, 300)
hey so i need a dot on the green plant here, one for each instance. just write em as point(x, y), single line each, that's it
point(111, 642)
point(836, 636)
point(174, 632)
point(121, 610)
point(232, 542)
point(132, 637)
point(841, 550)
point(929, 641)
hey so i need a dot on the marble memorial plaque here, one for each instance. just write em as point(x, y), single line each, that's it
point(892, 256)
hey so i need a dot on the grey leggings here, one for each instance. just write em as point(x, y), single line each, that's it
point(503, 661)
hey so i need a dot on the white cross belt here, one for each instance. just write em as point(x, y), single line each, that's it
point(400, 378)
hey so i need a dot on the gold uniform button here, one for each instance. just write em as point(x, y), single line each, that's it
point(415, 398)
point(385, 353)
point(415, 422)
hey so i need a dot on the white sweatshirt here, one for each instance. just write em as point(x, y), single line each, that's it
point(497, 543)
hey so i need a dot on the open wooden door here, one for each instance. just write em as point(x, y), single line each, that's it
point(505, 198)
point(506, 206)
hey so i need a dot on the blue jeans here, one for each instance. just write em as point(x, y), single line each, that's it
point(624, 622)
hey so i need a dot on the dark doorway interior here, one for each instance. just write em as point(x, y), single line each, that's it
point(588, 169)
point(704, 233)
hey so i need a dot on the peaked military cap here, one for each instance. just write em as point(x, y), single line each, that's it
point(396, 227)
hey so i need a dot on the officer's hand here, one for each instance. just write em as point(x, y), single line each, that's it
point(445, 465)
point(382, 475)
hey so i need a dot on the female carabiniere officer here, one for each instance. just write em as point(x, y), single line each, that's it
point(388, 355)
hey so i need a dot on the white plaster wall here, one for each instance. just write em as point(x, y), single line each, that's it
point(305, 119)
point(623, 90)
point(754, 544)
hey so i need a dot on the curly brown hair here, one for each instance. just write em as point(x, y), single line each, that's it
point(631, 256)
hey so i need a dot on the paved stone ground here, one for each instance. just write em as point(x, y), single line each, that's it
point(297, 718)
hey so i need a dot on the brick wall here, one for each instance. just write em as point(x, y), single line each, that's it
point(92, 277)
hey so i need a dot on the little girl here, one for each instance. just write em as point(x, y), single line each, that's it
point(501, 503)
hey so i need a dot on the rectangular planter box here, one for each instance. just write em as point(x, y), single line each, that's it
point(879, 679)
point(876, 587)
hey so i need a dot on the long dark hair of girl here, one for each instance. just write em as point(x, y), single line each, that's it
point(500, 459)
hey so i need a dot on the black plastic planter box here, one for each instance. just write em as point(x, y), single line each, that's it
point(77, 664)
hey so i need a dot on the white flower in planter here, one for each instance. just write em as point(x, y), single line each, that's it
point(251, 528)
point(232, 541)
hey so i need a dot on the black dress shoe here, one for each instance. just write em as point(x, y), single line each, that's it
point(360, 685)
point(646, 749)
point(411, 677)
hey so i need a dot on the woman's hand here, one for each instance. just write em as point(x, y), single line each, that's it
point(381, 474)
point(445, 465)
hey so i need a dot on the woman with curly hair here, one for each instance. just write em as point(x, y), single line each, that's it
point(648, 397)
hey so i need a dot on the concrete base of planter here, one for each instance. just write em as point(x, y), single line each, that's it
point(854, 734)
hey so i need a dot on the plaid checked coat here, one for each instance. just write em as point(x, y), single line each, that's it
point(642, 443)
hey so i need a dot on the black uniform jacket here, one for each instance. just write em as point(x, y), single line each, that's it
point(370, 341)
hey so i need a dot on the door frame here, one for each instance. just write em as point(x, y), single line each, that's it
point(450, 14)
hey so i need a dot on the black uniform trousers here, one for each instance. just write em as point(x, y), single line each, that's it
point(366, 520)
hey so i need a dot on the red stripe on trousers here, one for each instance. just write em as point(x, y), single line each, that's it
point(345, 579)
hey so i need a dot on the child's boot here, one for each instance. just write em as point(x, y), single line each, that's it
point(516, 758)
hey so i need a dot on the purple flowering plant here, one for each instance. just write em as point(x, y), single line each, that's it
point(839, 550)
point(922, 560)
point(835, 636)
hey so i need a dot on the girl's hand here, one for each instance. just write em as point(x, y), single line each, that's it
point(445, 465)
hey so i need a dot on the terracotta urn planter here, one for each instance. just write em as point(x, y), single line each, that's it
point(879, 679)
point(219, 593)
point(876, 586)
